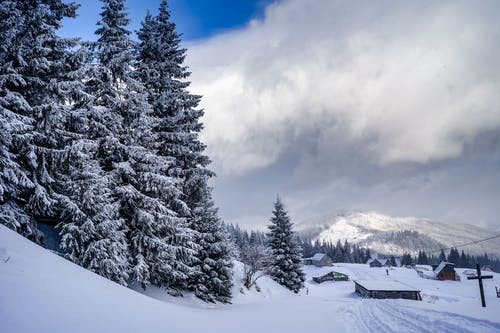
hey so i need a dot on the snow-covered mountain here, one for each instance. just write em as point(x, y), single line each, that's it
point(395, 235)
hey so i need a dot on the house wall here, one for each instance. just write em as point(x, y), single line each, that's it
point(413, 295)
point(361, 290)
point(448, 273)
point(325, 261)
point(381, 294)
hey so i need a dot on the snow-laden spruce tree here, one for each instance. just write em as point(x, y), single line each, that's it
point(38, 83)
point(286, 253)
point(176, 136)
point(94, 230)
point(126, 217)
point(15, 184)
point(213, 278)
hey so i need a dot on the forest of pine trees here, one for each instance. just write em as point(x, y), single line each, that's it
point(352, 253)
point(102, 137)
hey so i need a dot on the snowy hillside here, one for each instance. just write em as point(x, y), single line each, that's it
point(41, 292)
point(377, 230)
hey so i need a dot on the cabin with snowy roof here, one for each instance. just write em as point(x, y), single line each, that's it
point(383, 289)
point(331, 276)
point(319, 260)
point(445, 271)
point(487, 268)
point(375, 262)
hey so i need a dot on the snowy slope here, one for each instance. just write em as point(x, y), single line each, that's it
point(41, 292)
point(374, 230)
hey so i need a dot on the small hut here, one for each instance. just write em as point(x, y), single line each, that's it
point(319, 260)
point(386, 289)
point(445, 271)
point(487, 268)
point(376, 262)
point(332, 276)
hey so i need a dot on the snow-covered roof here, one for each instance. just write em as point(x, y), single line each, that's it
point(423, 267)
point(385, 285)
point(318, 256)
point(441, 266)
point(470, 272)
point(382, 261)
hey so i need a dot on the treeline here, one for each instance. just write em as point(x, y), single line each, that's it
point(462, 260)
point(339, 252)
point(102, 137)
point(352, 253)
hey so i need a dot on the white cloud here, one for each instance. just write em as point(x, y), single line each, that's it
point(412, 81)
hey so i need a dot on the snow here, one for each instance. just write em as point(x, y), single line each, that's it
point(385, 285)
point(42, 292)
point(440, 267)
point(317, 257)
point(368, 228)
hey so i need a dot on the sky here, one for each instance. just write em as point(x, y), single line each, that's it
point(389, 106)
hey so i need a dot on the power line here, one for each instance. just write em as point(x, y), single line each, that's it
point(461, 245)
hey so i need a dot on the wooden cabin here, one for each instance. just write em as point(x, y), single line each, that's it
point(386, 289)
point(376, 262)
point(445, 271)
point(487, 268)
point(331, 276)
point(319, 260)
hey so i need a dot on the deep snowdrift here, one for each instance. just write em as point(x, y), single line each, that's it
point(41, 292)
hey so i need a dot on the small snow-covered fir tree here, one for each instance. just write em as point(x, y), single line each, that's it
point(176, 136)
point(286, 253)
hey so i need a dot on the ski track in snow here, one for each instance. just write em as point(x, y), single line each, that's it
point(386, 316)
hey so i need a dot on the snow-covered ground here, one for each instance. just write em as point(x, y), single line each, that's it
point(41, 292)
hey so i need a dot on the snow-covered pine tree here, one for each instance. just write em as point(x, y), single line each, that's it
point(38, 84)
point(285, 251)
point(15, 184)
point(176, 135)
point(132, 226)
point(213, 278)
point(93, 229)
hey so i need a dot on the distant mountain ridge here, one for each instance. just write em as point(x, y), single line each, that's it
point(396, 235)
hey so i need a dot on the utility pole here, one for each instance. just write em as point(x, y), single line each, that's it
point(480, 278)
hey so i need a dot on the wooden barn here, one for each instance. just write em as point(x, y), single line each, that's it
point(445, 271)
point(319, 260)
point(386, 289)
point(331, 276)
